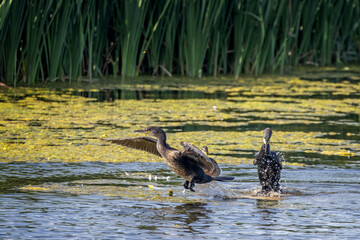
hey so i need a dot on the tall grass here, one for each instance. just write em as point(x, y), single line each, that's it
point(171, 35)
point(197, 27)
point(75, 43)
point(55, 39)
point(246, 29)
point(4, 12)
point(11, 26)
point(219, 39)
point(130, 25)
point(307, 46)
point(159, 33)
point(98, 14)
point(48, 40)
point(346, 48)
point(41, 15)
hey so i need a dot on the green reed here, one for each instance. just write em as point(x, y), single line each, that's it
point(159, 30)
point(219, 42)
point(4, 11)
point(58, 40)
point(129, 24)
point(41, 15)
point(198, 20)
point(246, 29)
point(307, 47)
point(348, 29)
point(154, 34)
point(12, 25)
point(170, 42)
point(75, 43)
point(97, 20)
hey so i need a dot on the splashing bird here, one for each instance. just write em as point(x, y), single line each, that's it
point(268, 165)
point(191, 163)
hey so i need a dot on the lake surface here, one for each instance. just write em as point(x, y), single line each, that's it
point(59, 180)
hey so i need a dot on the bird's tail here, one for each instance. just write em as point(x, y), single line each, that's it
point(223, 178)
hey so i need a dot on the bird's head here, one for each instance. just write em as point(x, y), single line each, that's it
point(154, 131)
point(205, 150)
point(266, 139)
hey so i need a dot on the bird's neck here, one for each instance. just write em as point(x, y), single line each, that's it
point(267, 147)
point(265, 150)
point(161, 145)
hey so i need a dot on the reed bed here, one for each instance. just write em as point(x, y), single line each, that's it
point(47, 40)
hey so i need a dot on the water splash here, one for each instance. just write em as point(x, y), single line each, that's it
point(282, 157)
point(215, 189)
point(155, 178)
point(283, 162)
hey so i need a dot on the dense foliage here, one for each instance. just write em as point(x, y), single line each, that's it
point(46, 40)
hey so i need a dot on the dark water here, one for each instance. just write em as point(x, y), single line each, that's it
point(101, 200)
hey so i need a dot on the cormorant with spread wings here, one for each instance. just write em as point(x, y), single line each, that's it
point(191, 163)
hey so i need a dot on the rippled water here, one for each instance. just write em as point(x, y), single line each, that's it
point(50, 193)
point(326, 205)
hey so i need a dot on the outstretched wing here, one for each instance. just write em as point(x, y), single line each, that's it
point(209, 165)
point(146, 144)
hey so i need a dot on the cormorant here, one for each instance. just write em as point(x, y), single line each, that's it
point(268, 165)
point(191, 163)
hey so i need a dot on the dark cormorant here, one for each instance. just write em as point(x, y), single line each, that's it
point(268, 165)
point(191, 163)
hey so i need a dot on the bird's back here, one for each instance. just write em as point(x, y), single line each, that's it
point(187, 168)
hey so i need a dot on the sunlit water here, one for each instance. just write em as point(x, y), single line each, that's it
point(85, 190)
point(326, 205)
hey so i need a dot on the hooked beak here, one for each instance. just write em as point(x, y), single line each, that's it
point(205, 150)
point(142, 131)
point(266, 142)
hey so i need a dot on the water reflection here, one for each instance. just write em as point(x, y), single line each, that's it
point(189, 216)
point(268, 214)
point(265, 205)
point(111, 95)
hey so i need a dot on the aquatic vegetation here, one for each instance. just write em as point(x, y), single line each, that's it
point(39, 124)
point(58, 178)
point(112, 189)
